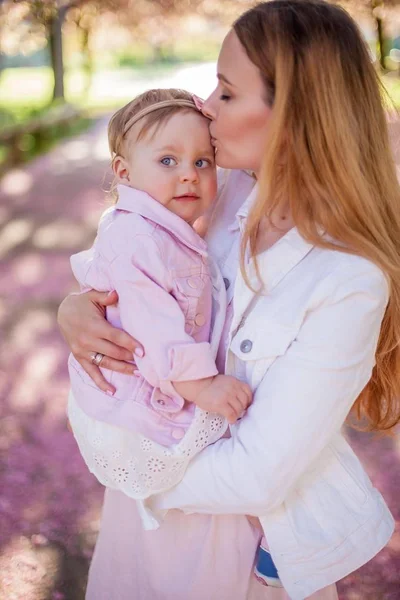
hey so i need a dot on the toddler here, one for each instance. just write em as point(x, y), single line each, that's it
point(141, 439)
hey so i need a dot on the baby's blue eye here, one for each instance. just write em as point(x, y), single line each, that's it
point(202, 163)
point(168, 161)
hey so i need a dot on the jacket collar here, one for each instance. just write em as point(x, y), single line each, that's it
point(244, 210)
point(282, 257)
point(275, 263)
point(139, 202)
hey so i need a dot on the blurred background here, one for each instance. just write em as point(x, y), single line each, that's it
point(64, 67)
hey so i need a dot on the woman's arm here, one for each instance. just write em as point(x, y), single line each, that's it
point(82, 322)
point(300, 405)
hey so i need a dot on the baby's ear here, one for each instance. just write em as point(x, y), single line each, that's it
point(120, 169)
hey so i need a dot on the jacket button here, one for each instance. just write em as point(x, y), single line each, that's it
point(192, 283)
point(178, 434)
point(226, 282)
point(200, 320)
point(246, 346)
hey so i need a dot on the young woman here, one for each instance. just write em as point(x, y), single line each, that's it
point(313, 325)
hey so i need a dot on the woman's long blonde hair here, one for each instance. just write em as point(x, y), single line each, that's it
point(328, 155)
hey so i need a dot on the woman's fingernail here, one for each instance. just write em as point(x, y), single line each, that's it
point(136, 373)
point(109, 393)
point(139, 352)
point(109, 293)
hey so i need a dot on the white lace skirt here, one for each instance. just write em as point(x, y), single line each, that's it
point(132, 463)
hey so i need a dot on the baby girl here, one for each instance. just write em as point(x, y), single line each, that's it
point(171, 296)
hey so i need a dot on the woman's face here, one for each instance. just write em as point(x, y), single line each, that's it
point(237, 109)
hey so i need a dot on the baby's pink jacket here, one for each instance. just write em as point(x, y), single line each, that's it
point(159, 266)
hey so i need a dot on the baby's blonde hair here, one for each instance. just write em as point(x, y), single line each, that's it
point(117, 126)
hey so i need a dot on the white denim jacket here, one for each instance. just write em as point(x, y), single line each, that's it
point(307, 348)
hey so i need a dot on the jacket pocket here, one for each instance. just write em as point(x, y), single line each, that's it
point(189, 291)
point(324, 509)
point(258, 345)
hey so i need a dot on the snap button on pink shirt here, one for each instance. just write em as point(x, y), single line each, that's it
point(158, 265)
point(178, 434)
point(192, 283)
point(200, 320)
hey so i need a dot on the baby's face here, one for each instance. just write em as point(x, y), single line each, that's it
point(176, 166)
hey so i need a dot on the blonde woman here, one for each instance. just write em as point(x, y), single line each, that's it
point(313, 326)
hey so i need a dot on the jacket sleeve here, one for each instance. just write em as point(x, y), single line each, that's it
point(300, 404)
point(152, 315)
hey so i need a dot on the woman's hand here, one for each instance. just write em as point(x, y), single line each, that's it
point(82, 322)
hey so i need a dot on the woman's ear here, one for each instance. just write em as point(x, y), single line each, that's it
point(121, 169)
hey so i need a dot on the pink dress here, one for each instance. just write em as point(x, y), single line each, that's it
point(132, 564)
point(190, 557)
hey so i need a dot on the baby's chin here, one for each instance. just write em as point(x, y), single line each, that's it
point(188, 216)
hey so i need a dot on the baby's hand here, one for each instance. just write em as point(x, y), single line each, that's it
point(226, 396)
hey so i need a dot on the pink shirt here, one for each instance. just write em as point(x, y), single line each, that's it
point(159, 266)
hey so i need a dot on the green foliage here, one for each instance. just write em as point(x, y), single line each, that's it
point(32, 144)
point(182, 51)
point(197, 50)
point(24, 92)
point(138, 55)
point(392, 84)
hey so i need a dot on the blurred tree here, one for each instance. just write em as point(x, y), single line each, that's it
point(382, 11)
point(379, 11)
point(156, 21)
point(85, 15)
point(160, 21)
point(36, 18)
point(50, 14)
point(376, 9)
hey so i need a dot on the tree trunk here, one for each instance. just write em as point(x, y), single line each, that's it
point(56, 55)
point(88, 62)
point(375, 10)
point(381, 41)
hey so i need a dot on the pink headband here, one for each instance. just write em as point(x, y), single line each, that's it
point(196, 104)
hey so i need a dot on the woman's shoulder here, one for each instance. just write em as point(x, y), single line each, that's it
point(343, 261)
point(349, 272)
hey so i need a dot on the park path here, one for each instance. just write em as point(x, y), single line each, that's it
point(49, 504)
